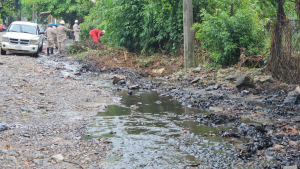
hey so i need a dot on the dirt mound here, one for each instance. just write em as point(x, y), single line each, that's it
point(154, 66)
point(103, 57)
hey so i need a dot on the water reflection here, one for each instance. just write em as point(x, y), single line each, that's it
point(149, 133)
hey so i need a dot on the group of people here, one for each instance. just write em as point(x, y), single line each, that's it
point(56, 36)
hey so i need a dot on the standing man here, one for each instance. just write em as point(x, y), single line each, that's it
point(55, 38)
point(62, 36)
point(96, 33)
point(76, 31)
point(50, 34)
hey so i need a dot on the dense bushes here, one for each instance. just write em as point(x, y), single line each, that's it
point(138, 25)
point(68, 10)
point(141, 25)
point(224, 34)
point(156, 25)
point(147, 26)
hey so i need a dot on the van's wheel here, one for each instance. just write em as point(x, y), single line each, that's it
point(3, 52)
point(41, 48)
point(36, 55)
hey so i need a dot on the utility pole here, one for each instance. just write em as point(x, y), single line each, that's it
point(32, 11)
point(188, 34)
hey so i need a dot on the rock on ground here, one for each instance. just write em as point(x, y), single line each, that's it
point(290, 167)
point(292, 98)
point(57, 157)
point(117, 79)
point(3, 127)
point(244, 81)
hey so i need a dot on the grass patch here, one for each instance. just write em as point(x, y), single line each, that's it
point(82, 56)
point(213, 65)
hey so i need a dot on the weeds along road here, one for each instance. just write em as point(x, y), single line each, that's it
point(44, 107)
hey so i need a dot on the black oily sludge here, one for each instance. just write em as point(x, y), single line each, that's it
point(291, 155)
point(87, 68)
point(249, 129)
point(215, 119)
point(281, 113)
point(259, 142)
point(202, 102)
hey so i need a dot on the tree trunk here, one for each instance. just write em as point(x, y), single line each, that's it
point(231, 11)
point(297, 4)
point(276, 46)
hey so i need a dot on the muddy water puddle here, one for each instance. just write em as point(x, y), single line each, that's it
point(152, 131)
point(149, 130)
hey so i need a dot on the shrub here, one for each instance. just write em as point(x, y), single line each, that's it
point(223, 34)
point(138, 25)
point(144, 26)
point(84, 46)
point(149, 26)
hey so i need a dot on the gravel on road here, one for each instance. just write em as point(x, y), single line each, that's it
point(44, 112)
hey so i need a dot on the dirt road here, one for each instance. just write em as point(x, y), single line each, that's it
point(45, 104)
point(48, 105)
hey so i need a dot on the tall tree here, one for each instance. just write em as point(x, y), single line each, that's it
point(8, 8)
point(68, 10)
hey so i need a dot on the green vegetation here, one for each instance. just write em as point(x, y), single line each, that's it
point(156, 26)
point(76, 49)
point(223, 34)
point(138, 25)
point(214, 65)
point(9, 7)
point(69, 10)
